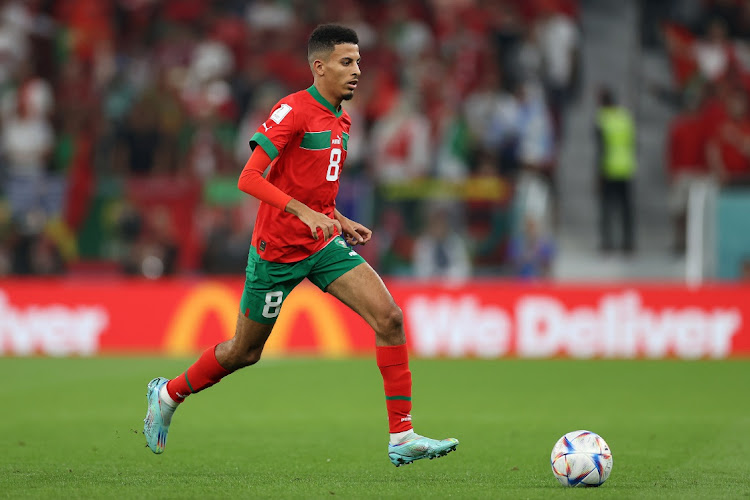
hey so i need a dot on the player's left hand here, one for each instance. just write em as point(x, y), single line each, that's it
point(354, 232)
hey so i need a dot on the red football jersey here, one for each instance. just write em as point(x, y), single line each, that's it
point(306, 139)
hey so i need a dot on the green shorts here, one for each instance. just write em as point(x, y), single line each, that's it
point(267, 284)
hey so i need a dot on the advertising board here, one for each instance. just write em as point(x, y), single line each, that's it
point(480, 319)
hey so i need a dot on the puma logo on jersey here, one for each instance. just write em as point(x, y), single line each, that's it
point(266, 127)
point(337, 140)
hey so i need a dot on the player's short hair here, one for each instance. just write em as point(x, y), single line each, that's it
point(325, 37)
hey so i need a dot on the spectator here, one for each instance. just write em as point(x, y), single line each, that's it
point(452, 155)
point(487, 216)
point(506, 32)
point(27, 142)
point(266, 15)
point(352, 16)
point(14, 42)
point(713, 52)
point(226, 243)
point(395, 244)
point(151, 246)
point(140, 148)
point(401, 143)
point(531, 251)
point(406, 32)
point(558, 40)
point(501, 138)
point(480, 105)
point(728, 149)
point(686, 164)
point(155, 90)
point(529, 58)
point(536, 134)
point(615, 167)
point(440, 252)
point(709, 56)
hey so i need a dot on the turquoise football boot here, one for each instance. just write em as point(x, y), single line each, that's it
point(158, 417)
point(420, 447)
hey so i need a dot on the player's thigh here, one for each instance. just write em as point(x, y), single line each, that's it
point(332, 261)
point(340, 271)
point(365, 293)
point(267, 285)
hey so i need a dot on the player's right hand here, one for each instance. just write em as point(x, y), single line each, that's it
point(325, 223)
point(314, 220)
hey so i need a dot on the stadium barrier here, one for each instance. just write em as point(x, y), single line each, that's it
point(481, 319)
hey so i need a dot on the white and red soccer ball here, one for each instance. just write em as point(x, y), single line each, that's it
point(581, 458)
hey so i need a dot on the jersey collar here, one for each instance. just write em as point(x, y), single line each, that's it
point(322, 100)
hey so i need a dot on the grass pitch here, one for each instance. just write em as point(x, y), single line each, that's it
point(309, 428)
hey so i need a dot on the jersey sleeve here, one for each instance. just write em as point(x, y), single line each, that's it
point(253, 183)
point(276, 132)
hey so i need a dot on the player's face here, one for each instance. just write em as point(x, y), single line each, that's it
point(342, 70)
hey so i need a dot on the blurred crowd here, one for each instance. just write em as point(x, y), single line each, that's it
point(125, 123)
point(709, 139)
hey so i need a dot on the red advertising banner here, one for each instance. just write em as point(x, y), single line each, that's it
point(486, 319)
point(495, 319)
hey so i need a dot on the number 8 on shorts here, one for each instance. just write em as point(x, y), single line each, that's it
point(273, 304)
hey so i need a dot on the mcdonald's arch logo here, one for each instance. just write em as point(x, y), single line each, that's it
point(184, 328)
point(329, 329)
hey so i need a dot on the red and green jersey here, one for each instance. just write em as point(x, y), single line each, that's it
point(306, 139)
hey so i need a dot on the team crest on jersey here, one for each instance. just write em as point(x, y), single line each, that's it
point(280, 113)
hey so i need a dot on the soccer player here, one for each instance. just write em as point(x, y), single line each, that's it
point(299, 234)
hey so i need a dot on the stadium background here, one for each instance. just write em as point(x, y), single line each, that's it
point(125, 125)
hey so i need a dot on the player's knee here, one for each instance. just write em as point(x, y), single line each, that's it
point(391, 324)
point(251, 357)
point(241, 359)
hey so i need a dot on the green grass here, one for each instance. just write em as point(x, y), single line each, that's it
point(309, 428)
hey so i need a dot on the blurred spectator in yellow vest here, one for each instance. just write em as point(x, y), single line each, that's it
point(615, 166)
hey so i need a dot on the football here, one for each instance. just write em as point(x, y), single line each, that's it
point(581, 458)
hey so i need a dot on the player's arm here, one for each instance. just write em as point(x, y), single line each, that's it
point(354, 232)
point(253, 183)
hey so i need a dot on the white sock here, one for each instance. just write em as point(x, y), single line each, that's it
point(400, 437)
point(164, 395)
